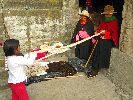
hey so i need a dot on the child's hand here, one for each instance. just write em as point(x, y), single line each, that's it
point(31, 55)
point(41, 55)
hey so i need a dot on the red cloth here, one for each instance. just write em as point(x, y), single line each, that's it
point(18, 91)
point(106, 35)
point(36, 49)
point(39, 55)
point(111, 27)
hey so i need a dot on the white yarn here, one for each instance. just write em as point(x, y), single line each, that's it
point(63, 49)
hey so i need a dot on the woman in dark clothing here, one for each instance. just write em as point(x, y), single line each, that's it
point(107, 39)
point(84, 29)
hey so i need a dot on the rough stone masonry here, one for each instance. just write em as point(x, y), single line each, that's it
point(36, 22)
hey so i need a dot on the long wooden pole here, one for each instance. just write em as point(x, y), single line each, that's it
point(91, 54)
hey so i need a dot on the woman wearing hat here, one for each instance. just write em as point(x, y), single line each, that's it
point(84, 29)
point(107, 39)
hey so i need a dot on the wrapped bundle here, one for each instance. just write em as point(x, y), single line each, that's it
point(77, 63)
point(38, 72)
point(62, 67)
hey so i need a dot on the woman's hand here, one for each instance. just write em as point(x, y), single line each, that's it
point(102, 32)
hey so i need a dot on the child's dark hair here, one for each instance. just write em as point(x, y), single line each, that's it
point(10, 46)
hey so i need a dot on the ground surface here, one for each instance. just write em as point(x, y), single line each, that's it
point(79, 88)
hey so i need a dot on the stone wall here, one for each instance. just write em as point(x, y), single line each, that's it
point(35, 22)
point(122, 59)
point(126, 37)
point(121, 71)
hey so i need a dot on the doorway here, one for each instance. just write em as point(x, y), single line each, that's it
point(98, 6)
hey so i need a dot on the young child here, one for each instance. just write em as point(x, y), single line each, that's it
point(15, 63)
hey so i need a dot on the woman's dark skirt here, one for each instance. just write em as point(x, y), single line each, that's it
point(84, 50)
point(102, 53)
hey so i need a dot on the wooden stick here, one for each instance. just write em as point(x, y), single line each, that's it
point(49, 78)
point(59, 77)
point(74, 76)
point(80, 75)
point(91, 54)
point(71, 76)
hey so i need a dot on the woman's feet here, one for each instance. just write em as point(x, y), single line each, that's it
point(92, 73)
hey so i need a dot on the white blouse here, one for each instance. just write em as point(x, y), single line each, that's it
point(16, 66)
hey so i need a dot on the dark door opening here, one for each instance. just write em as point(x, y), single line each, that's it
point(82, 4)
point(98, 6)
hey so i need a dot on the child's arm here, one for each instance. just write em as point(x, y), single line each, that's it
point(27, 59)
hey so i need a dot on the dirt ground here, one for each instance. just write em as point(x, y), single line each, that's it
point(78, 88)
